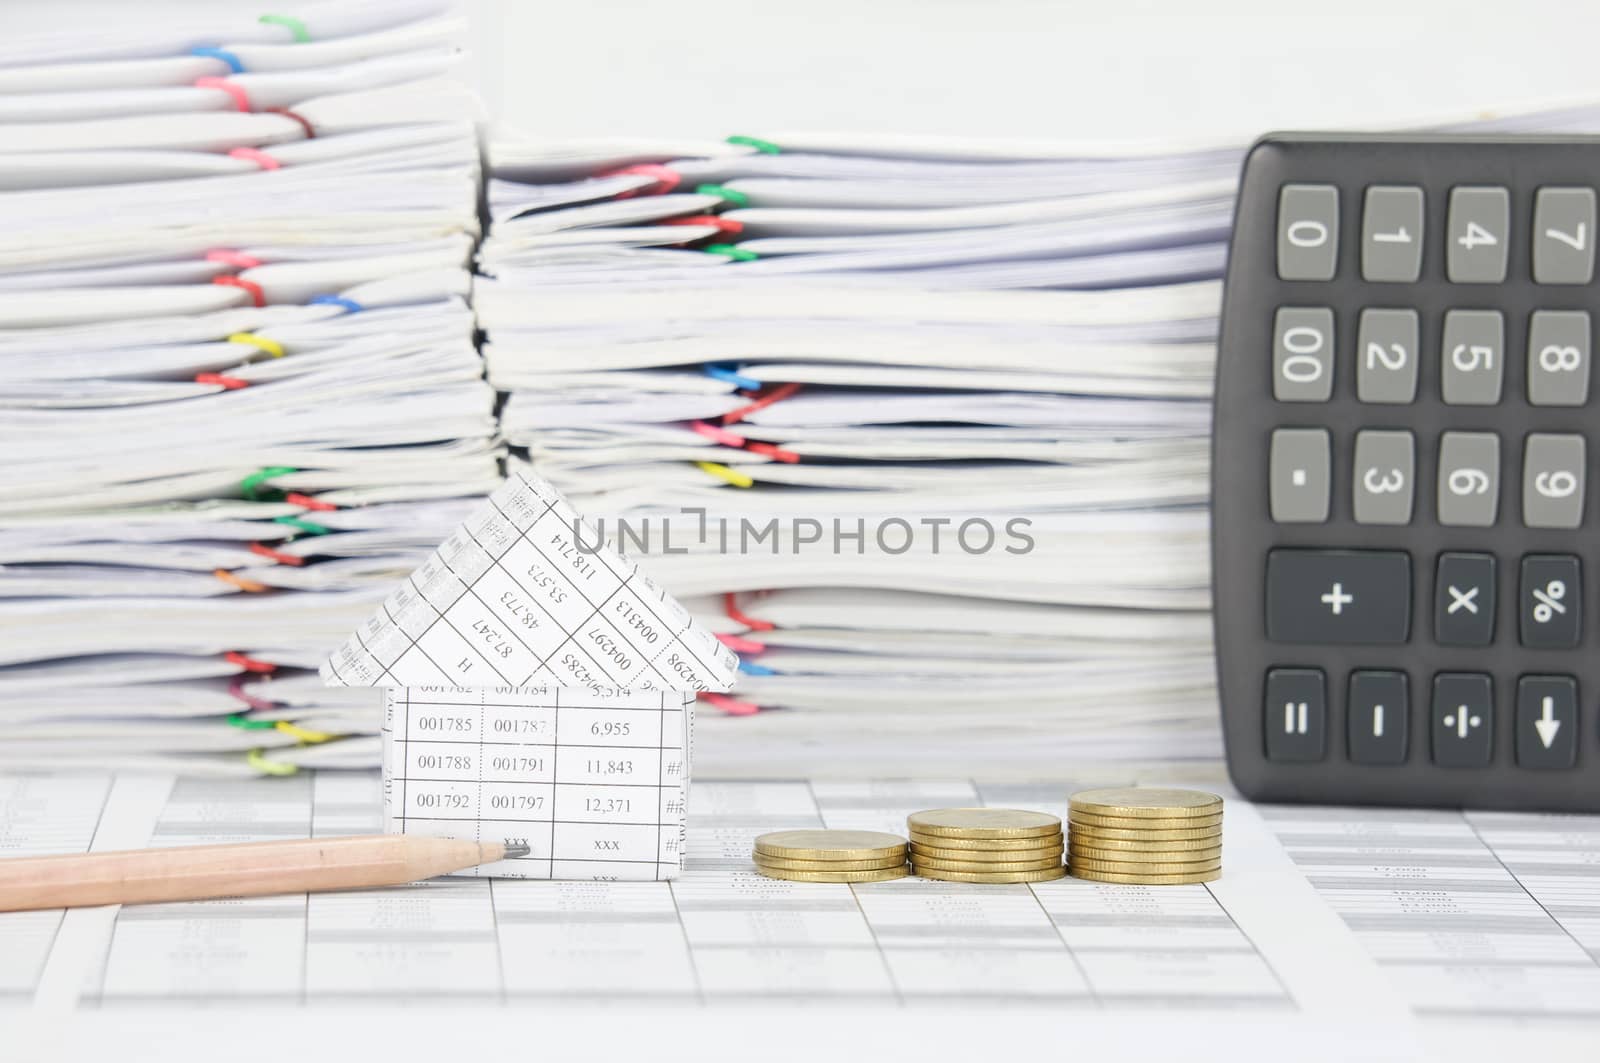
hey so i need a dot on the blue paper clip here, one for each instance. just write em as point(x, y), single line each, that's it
point(222, 54)
point(749, 668)
point(728, 373)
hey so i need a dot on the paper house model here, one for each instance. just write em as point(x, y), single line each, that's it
point(539, 689)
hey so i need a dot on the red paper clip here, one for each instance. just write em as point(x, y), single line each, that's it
point(257, 156)
point(666, 179)
point(294, 498)
point(236, 689)
point(776, 453)
point(730, 706)
point(305, 123)
point(277, 555)
point(241, 98)
point(236, 259)
point(777, 394)
point(258, 296)
point(249, 664)
point(716, 434)
point(730, 605)
point(740, 644)
point(727, 225)
point(231, 383)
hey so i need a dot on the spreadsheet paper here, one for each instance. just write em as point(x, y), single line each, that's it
point(1385, 918)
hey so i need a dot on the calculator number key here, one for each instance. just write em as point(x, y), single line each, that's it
point(1464, 600)
point(1469, 479)
point(1386, 366)
point(1295, 714)
point(1463, 719)
point(1563, 235)
point(1473, 357)
point(1299, 476)
point(1384, 467)
point(1479, 225)
point(1353, 597)
point(1391, 234)
point(1552, 481)
point(1551, 601)
point(1547, 721)
point(1302, 354)
point(1378, 716)
point(1308, 232)
point(1558, 358)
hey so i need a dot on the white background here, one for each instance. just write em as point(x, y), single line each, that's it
point(1019, 68)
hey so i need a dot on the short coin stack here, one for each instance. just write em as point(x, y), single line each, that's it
point(985, 845)
point(831, 855)
point(1146, 837)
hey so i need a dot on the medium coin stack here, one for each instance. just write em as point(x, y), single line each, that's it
point(985, 845)
point(831, 855)
point(1146, 837)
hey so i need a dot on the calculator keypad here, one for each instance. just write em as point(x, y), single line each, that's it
point(1424, 310)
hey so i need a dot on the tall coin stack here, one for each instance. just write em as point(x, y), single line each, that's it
point(831, 855)
point(1146, 837)
point(985, 845)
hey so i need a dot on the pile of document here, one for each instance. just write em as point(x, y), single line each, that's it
point(810, 375)
point(239, 394)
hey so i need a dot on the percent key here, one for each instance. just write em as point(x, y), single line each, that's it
point(1551, 601)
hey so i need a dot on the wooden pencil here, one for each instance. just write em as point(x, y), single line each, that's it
point(250, 869)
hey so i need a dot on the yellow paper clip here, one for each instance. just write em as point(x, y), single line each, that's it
point(723, 472)
point(310, 738)
point(257, 760)
point(260, 343)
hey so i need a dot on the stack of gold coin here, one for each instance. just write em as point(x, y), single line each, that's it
point(831, 855)
point(985, 845)
point(1145, 836)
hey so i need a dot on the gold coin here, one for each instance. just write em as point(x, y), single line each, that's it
point(1123, 856)
point(1146, 802)
point(980, 856)
point(1043, 875)
point(920, 862)
point(1140, 867)
point(987, 845)
point(1140, 845)
point(882, 874)
point(1146, 823)
point(830, 845)
point(763, 860)
point(1146, 880)
point(983, 823)
point(1089, 831)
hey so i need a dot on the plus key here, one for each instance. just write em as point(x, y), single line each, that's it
point(1338, 596)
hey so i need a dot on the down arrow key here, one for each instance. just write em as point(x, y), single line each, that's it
point(1547, 721)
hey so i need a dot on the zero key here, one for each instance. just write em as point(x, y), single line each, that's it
point(1351, 597)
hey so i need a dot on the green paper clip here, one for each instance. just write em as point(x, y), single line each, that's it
point(730, 195)
point(304, 525)
point(738, 254)
point(250, 485)
point(290, 23)
point(245, 723)
point(766, 147)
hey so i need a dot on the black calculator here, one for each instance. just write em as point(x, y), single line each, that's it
point(1402, 542)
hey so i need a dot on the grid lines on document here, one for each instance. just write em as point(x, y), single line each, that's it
point(591, 789)
point(1480, 915)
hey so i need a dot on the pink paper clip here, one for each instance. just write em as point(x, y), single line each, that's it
point(729, 706)
point(719, 435)
point(666, 179)
point(241, 98)
point(740, 644)
point(236, 689)
point(257, 156)
point(236, 259)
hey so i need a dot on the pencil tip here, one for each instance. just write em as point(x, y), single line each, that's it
point(515, 851)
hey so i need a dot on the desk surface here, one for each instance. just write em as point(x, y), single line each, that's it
point(1403, 926)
